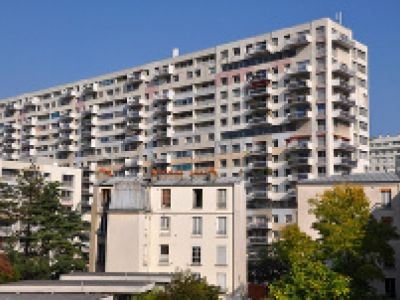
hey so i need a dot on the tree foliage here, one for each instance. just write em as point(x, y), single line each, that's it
point(45, 237)
point(184, 286)
point(348, 254)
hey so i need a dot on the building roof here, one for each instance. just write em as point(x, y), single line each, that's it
point(355, 178)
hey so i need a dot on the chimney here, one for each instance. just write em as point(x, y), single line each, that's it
point(175, 52)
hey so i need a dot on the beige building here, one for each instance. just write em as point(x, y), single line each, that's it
point(383, 153)
point(383, 191)
point(169, 224)
point(276, 108)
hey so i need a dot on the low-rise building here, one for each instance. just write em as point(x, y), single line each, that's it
point(68, 177)
point(383, 153)
point(383, 192)
point(172, 223)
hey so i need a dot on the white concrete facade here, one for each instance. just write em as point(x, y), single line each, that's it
point(210, 239)
point(276, 108)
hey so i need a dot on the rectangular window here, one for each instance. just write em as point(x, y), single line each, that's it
point(221, 198)
point(386, 198)
point(221, 280)
point(197, 228)
point(390, 287)
point(166, 198)
point(196, 255)
point(164, 253)
point(197, 198)
point(221, 255)
point(165, 223)
point(221, 225)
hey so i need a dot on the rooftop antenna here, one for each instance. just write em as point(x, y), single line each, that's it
point(338, 17)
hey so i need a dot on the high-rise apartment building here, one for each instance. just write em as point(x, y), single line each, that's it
point(383, 153)
point(274, 108)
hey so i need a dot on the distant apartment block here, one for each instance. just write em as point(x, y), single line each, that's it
point(382, 190)
point(274, 108)
point(173, 223)
point(383, 152)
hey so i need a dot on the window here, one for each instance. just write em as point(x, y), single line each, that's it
point(386, 198)
point(236, 162)
point(166, 198)
point(223, 163)
point(275, 218)
point(390, 287)
point(221, 225)
point(197, 198)
point(197, 228)
point(165, 223)
point(224, 81)
point(221, 198)
point(164, 253)
point(236, 51)
point(289, 218)
point(236, 148)
point(221, 280)
point(221, 255)
point(196, 255)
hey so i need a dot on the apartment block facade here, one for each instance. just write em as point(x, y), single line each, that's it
point(382, 190)
point(383, 153)
point(173, 223)
point(274, 108)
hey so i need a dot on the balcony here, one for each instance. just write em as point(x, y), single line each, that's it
point(90, 89)
point(133, 139)
point(344, 162)
point(257, 92)
point(260, 225)
point(300, 70)
point(132, 163)
point(135, 103)
point(260, 106)
point(343, 101)
point(343, 116)
point(162, 98)
point(259, 50)
point(299, 145)
point(259, 122)
point(260, 151)
point(342, 70)
point(257, 195)
point(257, 165)
point(204, 91)
point(162, 160)
point(136, 78)
point(342, 40)
point(343, 146)
point(69, 94)
point(165, 71)
point(299, 85)
point(299, 41)
point(300, 100)
point(295, 177)
point(257, 240)
point(300, 161)
point(259, 79)
point(299, 116)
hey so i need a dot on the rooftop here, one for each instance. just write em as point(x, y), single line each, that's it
point(355, 178)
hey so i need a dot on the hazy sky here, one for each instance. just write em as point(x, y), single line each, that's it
point(49, 42)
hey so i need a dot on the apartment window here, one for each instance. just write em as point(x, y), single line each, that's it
point(221, 225)
point(236, 148)
point(275, 218)
point(236, 79)
point(197, 198)
point(189, 75)
point(196, 255)
point(223, 148)
point(223, 163)
point(211, 136)
point(197, 138)
point(289, 219)
point(236, 93)
point(164, 253)
point(165, 198)
point(221, 280)
point(165, 223)
point(224, 108)
point(224, 122)
point(224, 54)
point(386, 197)
point(236, 162)
point(236, 51)
point(221, 198)
point(390, 287)
point(197, 228)
point(221, 255)
point(236, 121)
point(275, 143)
point(224, 80)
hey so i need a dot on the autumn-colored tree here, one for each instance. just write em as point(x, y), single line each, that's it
point(352, 241)
point(7, 273)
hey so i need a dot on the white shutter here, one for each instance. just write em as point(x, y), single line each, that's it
point(221, 255)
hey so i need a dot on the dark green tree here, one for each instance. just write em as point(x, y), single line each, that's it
point(184, 286)
point(46, 236)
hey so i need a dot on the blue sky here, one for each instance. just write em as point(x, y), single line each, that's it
point(48, 42)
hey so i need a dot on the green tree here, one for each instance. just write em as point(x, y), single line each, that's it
point(45, 240)
point(351, 240)
point(184, 286)
point(308, 277)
